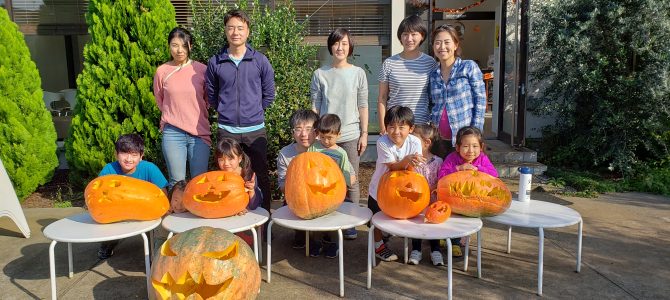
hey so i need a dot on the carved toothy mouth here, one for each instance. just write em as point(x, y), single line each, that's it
point(409, 194)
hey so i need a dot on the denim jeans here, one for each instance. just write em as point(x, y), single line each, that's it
point(178, 147)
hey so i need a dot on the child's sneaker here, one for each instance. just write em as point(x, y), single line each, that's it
point(456, 251)
point(385, 254)
point(314, 248)
point(106, 249)
point(415, 257)
point(330, 249)
point(436, 258)
point(350, 233)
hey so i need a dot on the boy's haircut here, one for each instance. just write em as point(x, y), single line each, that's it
point(427, 131)
point(183, 34)
point(338, 35)
point(229, 148)
point(329, 124)
point(237, 13)
point(399, 115)
point(129, 143)
point(303, 116)
point(413, 23)
point(469, 130)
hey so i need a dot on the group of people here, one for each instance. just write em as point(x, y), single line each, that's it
point(426, 107)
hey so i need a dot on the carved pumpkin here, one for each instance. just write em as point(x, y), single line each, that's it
point(314, 185)
point(207, 262)
point(474, 194)
point(114, 198)
point(403, 194)
point(437, 212)
point(215, 194)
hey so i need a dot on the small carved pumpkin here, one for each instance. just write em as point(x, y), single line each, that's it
point(474, 194)
point(215, 194)
point(114, 198)
point(437, 213)
point(314, 186)
point(403, 194)
point(207, 262)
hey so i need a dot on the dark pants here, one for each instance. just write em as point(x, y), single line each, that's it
point(434, 245)
point(255, 145)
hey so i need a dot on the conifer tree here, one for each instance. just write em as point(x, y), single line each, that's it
point(114, 91)
point(27, 133)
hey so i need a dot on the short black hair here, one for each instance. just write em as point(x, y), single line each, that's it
point(413, 23)
point(399, 115)
point(129, 143)
point(183, 34)
point(338, 35)
point(237, 13)
point(302, 116)
point(469, 130)
point(329, 124)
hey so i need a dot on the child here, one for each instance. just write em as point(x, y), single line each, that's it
point(396, 150)
point(230, 157)
point(303, 124)
point(129, 150)
point(328, 130)
point(469, 155)
point(428, 134)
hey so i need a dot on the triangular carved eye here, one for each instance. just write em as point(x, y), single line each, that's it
point(226, 254)
point(166, 250)
point(203, 179)
point(310, 164)
point(114, 183)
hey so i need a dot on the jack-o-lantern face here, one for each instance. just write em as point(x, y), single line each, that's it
point(403, 194)
point(215, 194)
point(207, 262)
point(314, 186)
point(437, 212)
point(474, 194)
point(114, 198)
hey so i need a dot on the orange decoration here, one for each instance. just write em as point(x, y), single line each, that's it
point(474, 194)
point(437, 212)
point(215, 194)
point(403, 194)
point(314, 186)
point(114, 198)
point(205, 263)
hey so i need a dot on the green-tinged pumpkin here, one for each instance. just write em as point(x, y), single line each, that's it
point(114, 198)
point(314, 185)
point(474, 194)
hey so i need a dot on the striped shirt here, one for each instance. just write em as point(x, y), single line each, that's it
point(408, 83)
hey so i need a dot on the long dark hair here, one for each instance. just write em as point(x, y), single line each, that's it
point(183, 34)
point(229, 148)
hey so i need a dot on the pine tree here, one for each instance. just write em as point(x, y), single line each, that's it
point(27, 133)
point(128, 41)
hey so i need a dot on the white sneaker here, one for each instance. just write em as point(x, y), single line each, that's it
point(436, 258)
point(414, 257)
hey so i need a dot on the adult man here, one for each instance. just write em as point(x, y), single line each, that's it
point(240, 86)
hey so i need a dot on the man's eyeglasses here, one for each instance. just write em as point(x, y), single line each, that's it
point(301, 130)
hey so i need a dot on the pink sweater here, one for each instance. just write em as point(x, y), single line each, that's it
point(453, 160)
point(181, 98)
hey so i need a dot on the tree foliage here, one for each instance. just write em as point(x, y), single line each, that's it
point(605, 67)
point(114, 90)
point(27, 133)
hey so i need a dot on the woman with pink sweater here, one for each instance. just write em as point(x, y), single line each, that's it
point(179, 88)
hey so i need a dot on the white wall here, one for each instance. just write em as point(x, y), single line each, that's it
point(48, 53)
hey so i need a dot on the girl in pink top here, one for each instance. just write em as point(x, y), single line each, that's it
point(179, 88)
point(469, 154)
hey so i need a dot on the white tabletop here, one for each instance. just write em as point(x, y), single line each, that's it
point(346, 216)
point(536, 214)
point(416, 228)
point(181, 222)
point(82, 228)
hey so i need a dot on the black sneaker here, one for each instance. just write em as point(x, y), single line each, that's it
point(315, 248)
point(385, 254)
point(330, 249)
point(106, 250)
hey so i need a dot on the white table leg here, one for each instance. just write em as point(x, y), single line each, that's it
point(152, 241)
point(341, 258)
point(449, 267)
point(269, 248)
point(52, 269)
point(509, 240)
point(371, 255)
point(69, 260)
point(579, 247)
point(147, 264)
point(406, 251)
point(306, 243)
point(253, 232)
point(467, 251)
point(170, 234)
point(479, 254)
point(540, 262)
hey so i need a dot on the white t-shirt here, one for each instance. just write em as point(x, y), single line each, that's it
point(388, 152)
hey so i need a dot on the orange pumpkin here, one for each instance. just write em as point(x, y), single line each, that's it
point(114, 198)
point(474, 194)
point(205, 263)
point(314, 185)
point(437, 213)
point(215, 194)
point(403, 194)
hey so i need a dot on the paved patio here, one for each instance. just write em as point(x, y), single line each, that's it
point(626, 255)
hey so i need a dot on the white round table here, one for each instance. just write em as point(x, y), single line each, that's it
point(82, 228)
point(540, 215)
point(177, 223)
point(348, 215)
point(415, 228)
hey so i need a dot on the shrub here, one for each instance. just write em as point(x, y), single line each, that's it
point(27, 133)
point(128, 42)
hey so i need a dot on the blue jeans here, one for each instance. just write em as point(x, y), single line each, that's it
point(180, 146)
